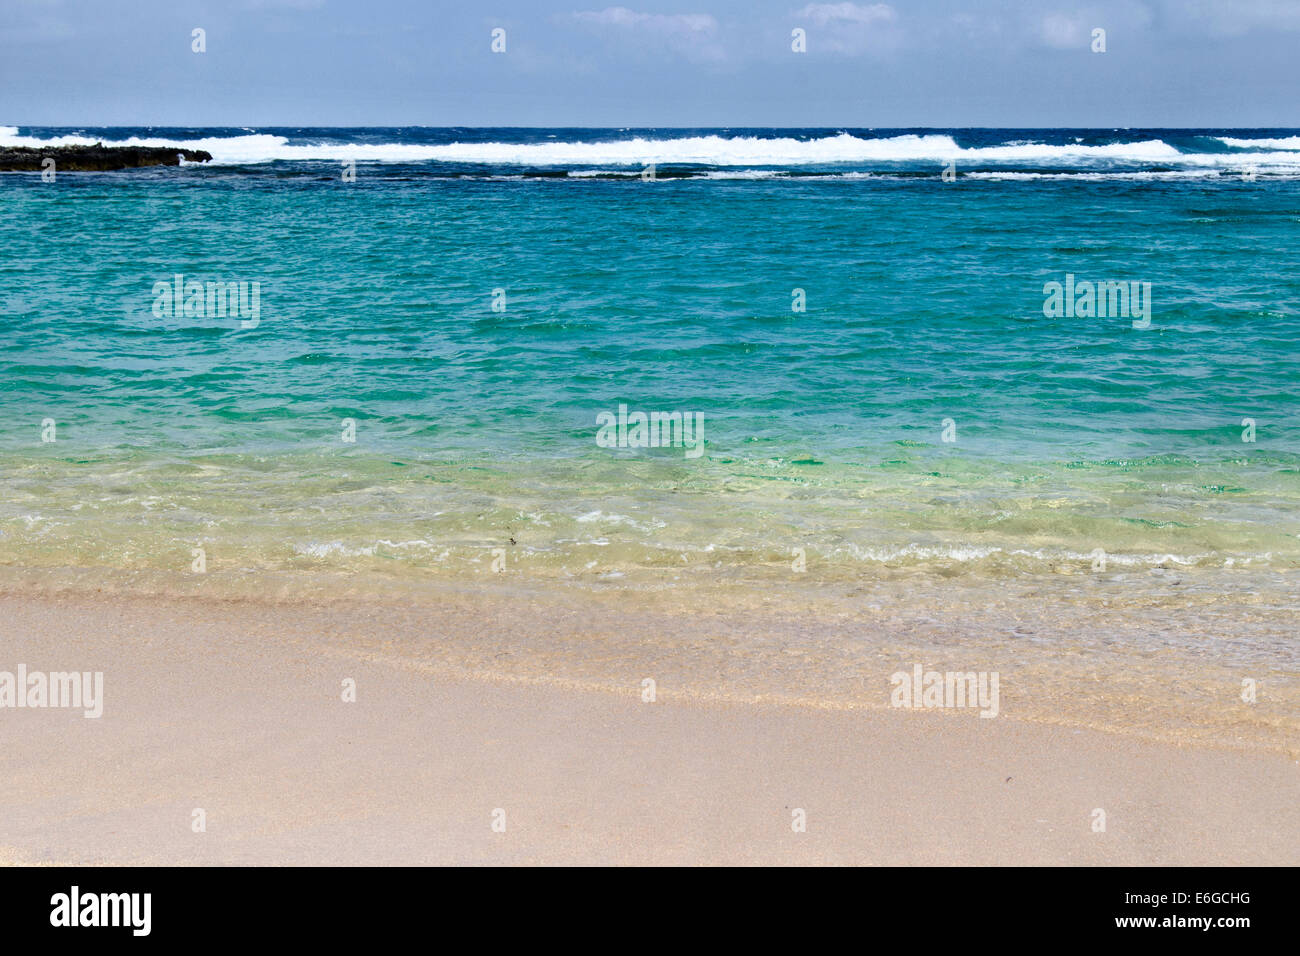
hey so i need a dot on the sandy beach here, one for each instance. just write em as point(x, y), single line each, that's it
point(236, 709)
point(737, 434)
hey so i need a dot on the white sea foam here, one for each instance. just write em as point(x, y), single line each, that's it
point(975, 553)
point(713, 150)
point(1137, 176)
point(742, 174)
point(589, 173)
point(653, 524)
point(332, 549)
point(746, 152)
point(1291, 142)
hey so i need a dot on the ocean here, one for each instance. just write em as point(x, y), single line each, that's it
point(824, 301)
point(1034, 383)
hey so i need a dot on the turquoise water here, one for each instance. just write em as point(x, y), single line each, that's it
point(476, 429)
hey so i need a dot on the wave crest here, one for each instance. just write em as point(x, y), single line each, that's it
point(750, 154)
point(1289, 143)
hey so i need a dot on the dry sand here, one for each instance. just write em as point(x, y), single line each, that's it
point(237, 709)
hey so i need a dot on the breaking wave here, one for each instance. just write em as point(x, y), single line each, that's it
point(745, 152)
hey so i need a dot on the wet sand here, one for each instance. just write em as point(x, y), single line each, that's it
point(236, 708)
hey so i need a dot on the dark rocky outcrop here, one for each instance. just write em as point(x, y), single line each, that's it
point(71, 159)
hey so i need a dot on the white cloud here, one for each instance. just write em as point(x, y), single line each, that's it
point(823, 13)
point(669, 23)
point(1064, 31)
point(1237, 17)
point(849, 28)
point(693, 35)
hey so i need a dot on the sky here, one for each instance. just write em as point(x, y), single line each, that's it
point(682, 63)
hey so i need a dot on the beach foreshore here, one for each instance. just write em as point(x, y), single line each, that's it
point(226, 738)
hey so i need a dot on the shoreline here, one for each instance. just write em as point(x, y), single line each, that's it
point(1111, 667)
point(223, 706)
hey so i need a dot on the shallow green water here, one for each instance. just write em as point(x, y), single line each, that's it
point(476, 429)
